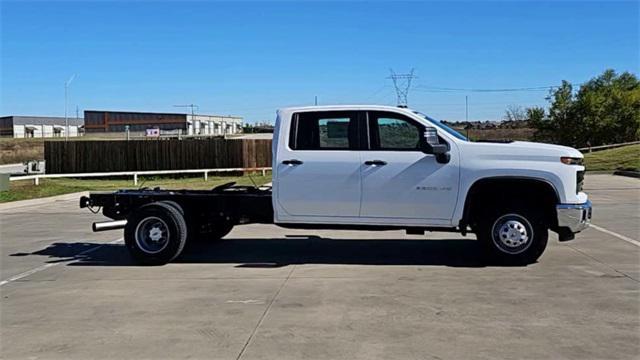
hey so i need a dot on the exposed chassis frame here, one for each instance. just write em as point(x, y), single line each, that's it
point(234, 204)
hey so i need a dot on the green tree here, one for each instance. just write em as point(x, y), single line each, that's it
point(605, 110)
point(609, 105)
point(544, 128)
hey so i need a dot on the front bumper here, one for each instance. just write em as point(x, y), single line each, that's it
point(575, 217)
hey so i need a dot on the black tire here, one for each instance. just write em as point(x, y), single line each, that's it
point(155, 233)
point(513, 236)
point(215, 231)
point(175, 205)
point(220, 230)
point(195, 229)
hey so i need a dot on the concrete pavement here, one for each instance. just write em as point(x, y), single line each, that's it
point(272, 293)
point(12, 168)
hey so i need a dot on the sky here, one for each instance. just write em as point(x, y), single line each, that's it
point(251, 58)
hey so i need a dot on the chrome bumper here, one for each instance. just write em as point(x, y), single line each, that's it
point(575, 217)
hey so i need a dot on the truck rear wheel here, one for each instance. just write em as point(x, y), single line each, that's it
point(220, 230)
point(215, 231)
point(155, 233)
point(514, 236)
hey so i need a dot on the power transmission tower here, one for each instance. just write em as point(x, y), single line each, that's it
point(402, 83)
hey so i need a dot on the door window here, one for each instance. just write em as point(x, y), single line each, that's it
point(326, 130)
point(390, 131)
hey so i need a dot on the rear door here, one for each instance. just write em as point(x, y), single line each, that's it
point(319, 169)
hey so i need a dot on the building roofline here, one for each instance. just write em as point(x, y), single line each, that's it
point(135, 112)
point(159, 113)
point(38, 117)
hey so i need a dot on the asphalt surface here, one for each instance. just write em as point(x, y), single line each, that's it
point(271, 293)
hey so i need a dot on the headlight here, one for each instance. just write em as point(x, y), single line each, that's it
point(571, 160)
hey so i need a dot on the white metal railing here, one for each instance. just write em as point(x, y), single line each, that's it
point(36, 178)
point(602, 147)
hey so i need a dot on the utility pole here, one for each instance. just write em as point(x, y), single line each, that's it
point(192, 106)
point(466, 114)
point(466, 108)
point(402, 83)
point(66, 119)
point(316, 102)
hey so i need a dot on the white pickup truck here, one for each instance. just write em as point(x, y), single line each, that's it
point(372, 168)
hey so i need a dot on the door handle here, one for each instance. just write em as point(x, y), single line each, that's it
point(292, 162)
point(375, 162)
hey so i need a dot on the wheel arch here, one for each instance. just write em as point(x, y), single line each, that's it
point(481, 188)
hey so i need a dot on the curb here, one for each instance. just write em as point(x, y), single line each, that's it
point(41, 201)
point(633, 174)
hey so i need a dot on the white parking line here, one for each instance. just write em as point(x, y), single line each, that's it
point(46, 266)
point(621, 237)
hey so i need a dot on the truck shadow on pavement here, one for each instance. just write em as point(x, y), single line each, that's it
point(278, 252)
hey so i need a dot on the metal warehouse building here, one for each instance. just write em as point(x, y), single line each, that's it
point(38, 126)
point(139, 122)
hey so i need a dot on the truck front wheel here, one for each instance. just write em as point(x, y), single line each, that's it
point(514, 236)
point(155, 233)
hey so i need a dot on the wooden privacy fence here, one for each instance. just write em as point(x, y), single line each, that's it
point(65, 157)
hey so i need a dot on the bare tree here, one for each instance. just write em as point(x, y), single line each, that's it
point(515, 113)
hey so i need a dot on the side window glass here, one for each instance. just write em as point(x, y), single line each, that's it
point(327, 130)
point(394, 133)
point(334, 133)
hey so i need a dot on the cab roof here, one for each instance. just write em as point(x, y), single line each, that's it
point(344, 107)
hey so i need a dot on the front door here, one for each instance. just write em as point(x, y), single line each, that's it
point(319, 170)
point(399, 181)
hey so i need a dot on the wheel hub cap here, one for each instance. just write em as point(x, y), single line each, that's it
point(155, 234)
point(152, 235)
point(513, 234)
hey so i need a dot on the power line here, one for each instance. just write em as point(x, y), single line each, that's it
point(423, 88)
point(402, 83)
point(192, 106)
point(377, 92)
point(439, 89)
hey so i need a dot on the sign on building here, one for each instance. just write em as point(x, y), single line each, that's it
point(155, 132)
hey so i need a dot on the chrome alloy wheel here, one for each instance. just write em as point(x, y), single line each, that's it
point(512, 233)
point(152, 235)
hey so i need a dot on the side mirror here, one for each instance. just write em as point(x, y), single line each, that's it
point(431, 145)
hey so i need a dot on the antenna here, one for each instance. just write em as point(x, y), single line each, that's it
point(402, 83)
point(192, 106)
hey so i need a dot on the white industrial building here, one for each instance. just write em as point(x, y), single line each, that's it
point(39, 126)
point(158, 124)
point(213, 125)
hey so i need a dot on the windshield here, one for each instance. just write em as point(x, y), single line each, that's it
point(444, 127)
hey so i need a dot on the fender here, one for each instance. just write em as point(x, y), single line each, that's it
point(477, 183)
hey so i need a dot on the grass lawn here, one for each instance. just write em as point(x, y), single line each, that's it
point(22, 190)
point(622, 158)
point(20, 150)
